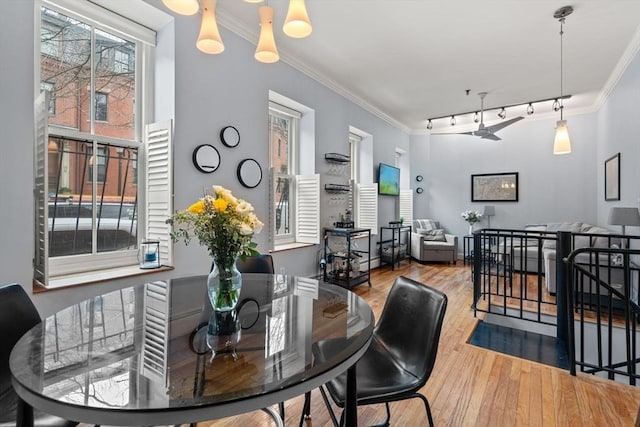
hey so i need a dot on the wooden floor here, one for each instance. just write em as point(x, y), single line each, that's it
point(471, 386)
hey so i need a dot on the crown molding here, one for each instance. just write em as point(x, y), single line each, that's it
point(620, 68)
point(234, 25)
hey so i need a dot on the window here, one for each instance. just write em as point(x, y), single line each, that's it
point(86, 167)
point(101, 108)
point(294, 188)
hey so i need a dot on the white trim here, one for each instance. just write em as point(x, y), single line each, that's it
point(103, 18)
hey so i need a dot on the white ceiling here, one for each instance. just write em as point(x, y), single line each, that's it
point(409, 60)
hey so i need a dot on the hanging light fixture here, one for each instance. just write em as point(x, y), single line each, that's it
point(476, 117)
point(266, 51)
point(562, 142)
point(209, 40)
point(503, 113)
point(429, 125)
point(183, 7)
point(297, 23)
point(453, 121)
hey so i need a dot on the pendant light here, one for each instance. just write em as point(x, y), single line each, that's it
point(297, 24)
point(183, 7)
point(209, 40)
point(266, 51)
point(562, 143)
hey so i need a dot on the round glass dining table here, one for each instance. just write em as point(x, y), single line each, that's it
point(156, 353)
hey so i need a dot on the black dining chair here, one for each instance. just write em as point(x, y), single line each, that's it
point(17, 316)
point(402, 353)
point(262, 263)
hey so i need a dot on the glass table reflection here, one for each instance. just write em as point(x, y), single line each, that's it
point(156, 354)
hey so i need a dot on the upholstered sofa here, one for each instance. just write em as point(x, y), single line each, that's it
point(430, 243)
point(524, 252)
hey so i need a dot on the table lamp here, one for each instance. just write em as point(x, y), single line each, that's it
point(624, 217)
point(489, 211)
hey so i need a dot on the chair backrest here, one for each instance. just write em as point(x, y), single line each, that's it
point(262, 263)
point(410, 325)
point(17, 316)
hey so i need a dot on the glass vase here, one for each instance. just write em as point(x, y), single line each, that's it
point(224, 284)
point(470, 229)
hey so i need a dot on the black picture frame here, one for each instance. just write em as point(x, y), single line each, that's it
point(495, 187)
point(612, 178)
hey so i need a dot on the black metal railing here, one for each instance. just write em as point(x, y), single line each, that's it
point(603, 285)
point(586, 285)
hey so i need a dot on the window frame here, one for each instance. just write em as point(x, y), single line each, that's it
point(144, 41)
point(293, 119)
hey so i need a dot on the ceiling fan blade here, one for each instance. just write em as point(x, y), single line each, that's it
point(491, 137)
point(498, 126)
point(452, 133)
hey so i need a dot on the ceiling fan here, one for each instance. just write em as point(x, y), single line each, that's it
point(486, 132)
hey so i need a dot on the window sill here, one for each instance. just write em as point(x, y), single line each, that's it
point(71, 280)
point(290, 246)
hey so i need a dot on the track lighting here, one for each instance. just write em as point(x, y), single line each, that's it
point(502, 110)
point(429, 125)
point(530, 109)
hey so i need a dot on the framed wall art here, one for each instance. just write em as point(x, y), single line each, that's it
point(494, 187)
point(612, 178)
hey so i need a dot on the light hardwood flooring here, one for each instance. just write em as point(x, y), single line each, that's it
point(471, 386)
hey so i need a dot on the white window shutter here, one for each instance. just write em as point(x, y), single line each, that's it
point(308, 208)
point(155, 343)
point(159, 183)
point(367, 207)
point(405, 206)
point(272, 209)
point(41, 198)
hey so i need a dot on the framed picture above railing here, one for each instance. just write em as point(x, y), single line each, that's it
point(494, 187)
point(612, 178)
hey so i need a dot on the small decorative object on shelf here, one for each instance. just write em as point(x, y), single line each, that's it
point(225, 225)
point(149, 254)
point(471, 217)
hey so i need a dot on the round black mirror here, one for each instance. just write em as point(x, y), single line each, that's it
point(230, 136)
point(206, 158)
point(419, 190)
point(419, 178)
point(249, 173)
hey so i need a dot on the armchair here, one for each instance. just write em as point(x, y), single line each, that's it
point(430, 243)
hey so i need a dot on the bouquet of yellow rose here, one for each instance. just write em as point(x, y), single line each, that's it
point(222, 223)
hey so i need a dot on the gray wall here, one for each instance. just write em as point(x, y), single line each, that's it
point(551, 188)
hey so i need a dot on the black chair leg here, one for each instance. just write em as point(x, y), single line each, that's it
point(328, 405)
point(281, 407)
point(306, 408)
point(427, 407)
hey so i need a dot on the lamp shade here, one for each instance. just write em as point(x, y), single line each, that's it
point(183, 7)
point(297, 23)
point(209, 40)
point(266, 51)
point(624, 216)
point(562, 143)
point(489, 211)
